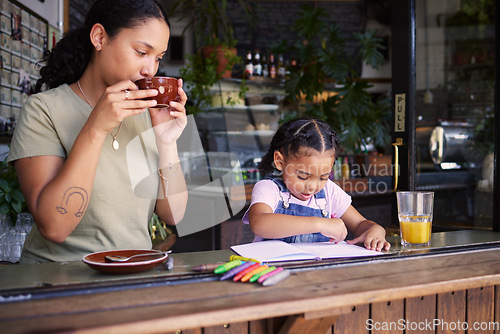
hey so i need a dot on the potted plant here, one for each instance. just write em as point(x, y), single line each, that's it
point(211, 25)
point(215, 44)
point(471, 30)
point(359, 120)
point(12, 201)
point(200, 75)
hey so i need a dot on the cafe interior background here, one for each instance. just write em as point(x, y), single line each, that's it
point(447, 146)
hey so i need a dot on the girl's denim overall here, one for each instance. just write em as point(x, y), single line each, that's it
point(300, 210)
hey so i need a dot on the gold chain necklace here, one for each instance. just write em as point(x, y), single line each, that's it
point(115, 144)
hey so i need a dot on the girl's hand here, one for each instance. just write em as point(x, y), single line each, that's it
point(373, 239)
point(118, 102)
point(334, 228)
point(168, 123)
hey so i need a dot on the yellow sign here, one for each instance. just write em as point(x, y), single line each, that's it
point(400, 111)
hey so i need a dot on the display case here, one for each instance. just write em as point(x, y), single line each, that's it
point(242, 125)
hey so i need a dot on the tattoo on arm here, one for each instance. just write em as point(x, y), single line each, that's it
point(79, 192)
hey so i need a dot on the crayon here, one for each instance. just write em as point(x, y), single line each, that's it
point(246, 277)
point(237, 257)
point(227, 266)
point(256, 276)
point(207, 267)
point(266, 276)
point(276, 278)
point(245, 271)
point(236, 270)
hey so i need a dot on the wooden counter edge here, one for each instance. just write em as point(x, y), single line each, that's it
point(328, 304)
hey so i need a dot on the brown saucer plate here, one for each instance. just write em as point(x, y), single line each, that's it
point(98, 261)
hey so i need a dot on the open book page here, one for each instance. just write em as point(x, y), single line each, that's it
point(272, 250)
point(329, 250)
point(276, 251)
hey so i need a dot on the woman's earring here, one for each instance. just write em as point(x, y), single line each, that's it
point(98, 47)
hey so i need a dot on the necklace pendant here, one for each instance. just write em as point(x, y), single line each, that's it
point(115, 144)
point(286, 205)
point(324, 212)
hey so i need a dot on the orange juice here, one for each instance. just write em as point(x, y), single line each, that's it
point(415, 230)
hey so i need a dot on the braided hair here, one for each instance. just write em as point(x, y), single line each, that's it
point(67, 61)
point(298, 134)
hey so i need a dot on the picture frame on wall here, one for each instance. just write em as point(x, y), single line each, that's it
point(53, 36)
point(15, 26)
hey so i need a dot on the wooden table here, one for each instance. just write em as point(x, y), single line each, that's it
point(402, 288)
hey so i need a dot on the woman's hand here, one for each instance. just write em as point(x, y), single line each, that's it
point(118, 102)
point(373, 238)
point(168, 123)
point(334, 228)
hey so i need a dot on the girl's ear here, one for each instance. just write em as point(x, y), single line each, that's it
point(278, 160)
point(97, 36)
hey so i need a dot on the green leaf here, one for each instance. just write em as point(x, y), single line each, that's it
point(4, 185)
point(310, 23)
point(370, 53)
point(17, 206)
point(4, 209)
point(17, 195)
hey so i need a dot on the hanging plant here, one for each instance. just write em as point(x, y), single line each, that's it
point(215, 44)
point(350, 109)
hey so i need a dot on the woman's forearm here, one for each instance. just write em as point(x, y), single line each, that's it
point(49, 183)
point(172, 192)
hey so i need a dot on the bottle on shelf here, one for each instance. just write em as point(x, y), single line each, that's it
point(337, 169)
point(265, 67)
point(272, 67)
point(346, 173)
point(281, 67)
point(249, 65)
point(257, 64)
point(293, 64)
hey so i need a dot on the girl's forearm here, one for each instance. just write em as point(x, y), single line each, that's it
point(276, 225)
point(366, 225)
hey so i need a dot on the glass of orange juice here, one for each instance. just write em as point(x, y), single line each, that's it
point(415, 209)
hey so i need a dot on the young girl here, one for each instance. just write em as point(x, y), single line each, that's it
point(70, 145)
point(297, 202)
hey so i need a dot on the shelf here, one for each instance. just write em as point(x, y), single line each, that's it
point(259, 133)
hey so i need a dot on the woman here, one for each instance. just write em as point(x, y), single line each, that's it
point(70, 146)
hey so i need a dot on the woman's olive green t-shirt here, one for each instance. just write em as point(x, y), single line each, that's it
point(118, 213)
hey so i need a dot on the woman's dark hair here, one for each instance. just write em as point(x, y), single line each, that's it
point(67, 61)
point(298, 134)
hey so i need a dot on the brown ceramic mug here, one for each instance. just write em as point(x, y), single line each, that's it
point(167, 88)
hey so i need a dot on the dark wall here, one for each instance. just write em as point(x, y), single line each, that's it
point(77, 11)
point(275, 20)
